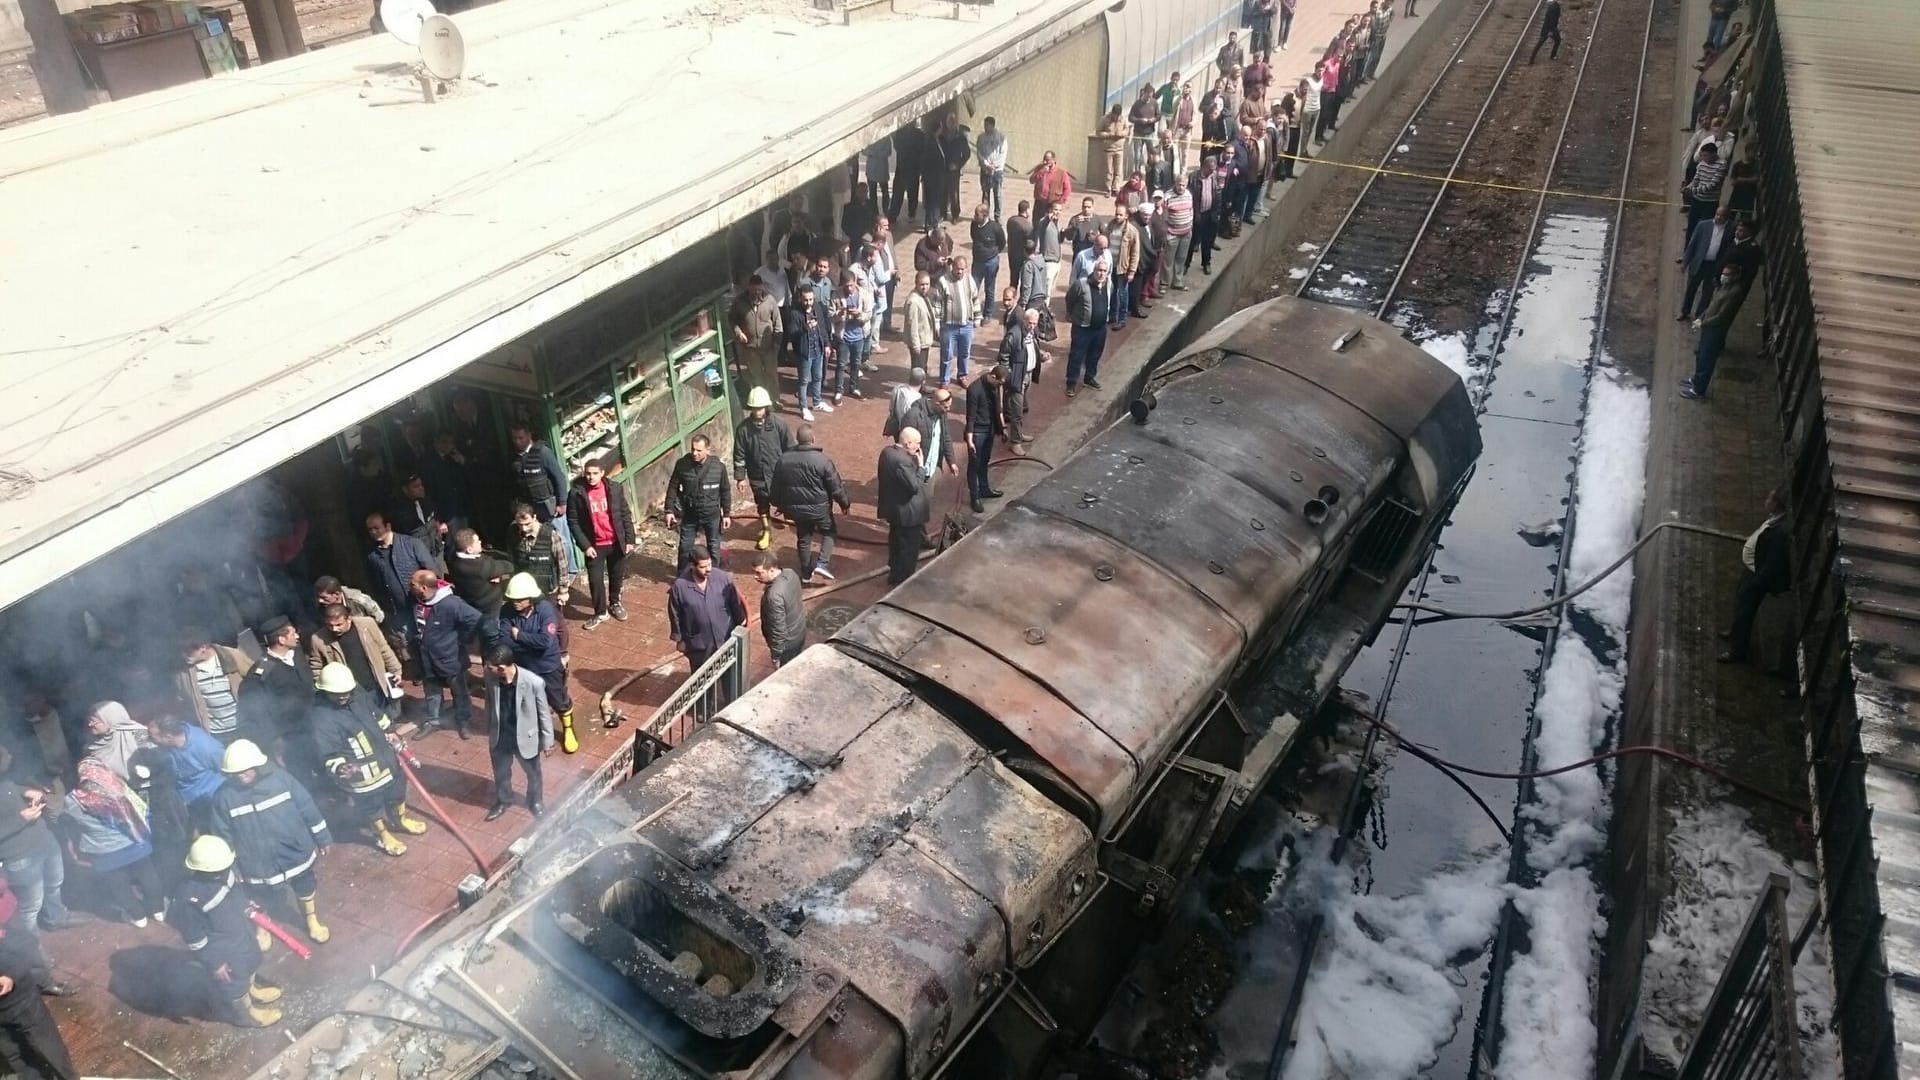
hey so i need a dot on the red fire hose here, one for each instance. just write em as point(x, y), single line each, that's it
point(406, 760)
point(294, 944)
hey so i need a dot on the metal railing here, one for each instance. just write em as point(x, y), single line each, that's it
point(712, 685)
point(1748, 1031)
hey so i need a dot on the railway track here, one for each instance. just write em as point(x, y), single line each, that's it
point(1362, 265)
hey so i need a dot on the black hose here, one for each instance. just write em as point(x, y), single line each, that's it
point(1448, 613)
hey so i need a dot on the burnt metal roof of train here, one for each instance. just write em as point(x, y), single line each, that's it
point(1852, 71)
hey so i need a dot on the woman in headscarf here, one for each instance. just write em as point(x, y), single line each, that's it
point(113, 736)
point(110, 833)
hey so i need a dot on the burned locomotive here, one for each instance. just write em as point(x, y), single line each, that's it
point(928, 846)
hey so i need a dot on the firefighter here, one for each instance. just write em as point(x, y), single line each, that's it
point(275, 830)
point(212, 916)
point(530, 626)
point(350, 733)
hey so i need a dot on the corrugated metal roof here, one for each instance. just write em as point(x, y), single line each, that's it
point(1852, 70)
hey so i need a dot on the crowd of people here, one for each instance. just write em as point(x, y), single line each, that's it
point(201, 778)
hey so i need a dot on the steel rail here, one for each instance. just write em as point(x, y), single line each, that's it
point(1490, 1029)
point(1400, 138)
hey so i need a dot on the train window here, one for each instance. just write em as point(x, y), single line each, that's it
point(1384, 539)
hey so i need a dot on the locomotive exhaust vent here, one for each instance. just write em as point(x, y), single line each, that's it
point(1384, 539)
point(639, 917)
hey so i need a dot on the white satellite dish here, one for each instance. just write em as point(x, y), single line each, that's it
point(402, 18)
point(442, 49)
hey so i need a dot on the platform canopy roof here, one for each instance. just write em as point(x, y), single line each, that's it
point(204, 281)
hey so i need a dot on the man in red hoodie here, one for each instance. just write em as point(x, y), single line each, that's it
point(443, 627)
point(597, 512)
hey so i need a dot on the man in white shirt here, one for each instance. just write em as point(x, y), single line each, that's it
point(991, 149)
point(1702, 260)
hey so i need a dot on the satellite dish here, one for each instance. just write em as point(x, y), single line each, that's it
point(402, 18)
point(442, 49)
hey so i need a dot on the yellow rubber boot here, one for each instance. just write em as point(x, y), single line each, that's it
point(262, 938)
point(766, 533)
point(568, 741)
point(315, 928)
point(264, 1015)
point(408, 824)
point(386, 841)
point(262, 995)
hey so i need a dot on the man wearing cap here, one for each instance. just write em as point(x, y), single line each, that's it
point(530, 629)
point(277, 690)
point(755, 319)
point(355, 747)
point(522, 728)
point(757, 445)
point(211, 914)
point(275, 830)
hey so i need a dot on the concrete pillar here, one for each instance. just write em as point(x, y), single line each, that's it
point(55, 64)
point(269, 40)
point(290, 33)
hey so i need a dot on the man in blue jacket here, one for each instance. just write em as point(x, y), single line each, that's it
point(195, 757)
point(443, 626)
point(703, 608)
point(395, 558)
point(530, 628)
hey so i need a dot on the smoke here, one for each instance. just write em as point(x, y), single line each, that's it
point(110, 630)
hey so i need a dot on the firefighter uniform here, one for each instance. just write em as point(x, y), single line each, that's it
point(211, 913)
point(350, 735)
point(534, 637)
point(274, 828)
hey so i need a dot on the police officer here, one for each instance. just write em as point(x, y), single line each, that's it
point(211, 913)
point(698, 499)
point(350, 734)
point(530, 628)
point(542, 483)
point(275, 830)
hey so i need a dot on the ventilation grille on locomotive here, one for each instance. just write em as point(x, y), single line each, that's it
point(1384, 539)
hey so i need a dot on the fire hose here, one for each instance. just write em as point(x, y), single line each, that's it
point(403, 756)
point(293, 944)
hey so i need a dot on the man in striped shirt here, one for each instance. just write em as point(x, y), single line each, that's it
point(1177, 212)
point(1703, 187)
point(209, 683)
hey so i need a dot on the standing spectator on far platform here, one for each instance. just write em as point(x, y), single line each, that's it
point(755, 319)
point(1703, 190)
point(1231, 55)
point(1020, 355)
point(1713, 327)
point(1113, 138)
point(1260, 22)
point(1710, 239)
point(1766, 570)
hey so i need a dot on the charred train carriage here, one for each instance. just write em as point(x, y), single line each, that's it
point(929, 845)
